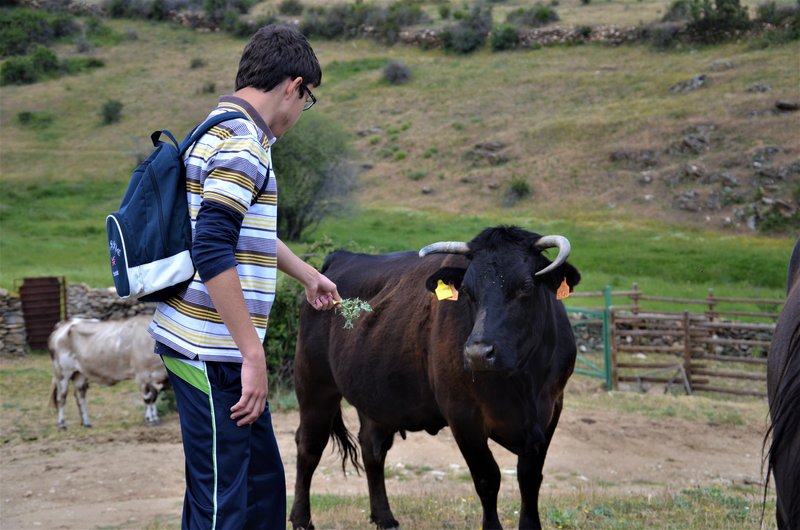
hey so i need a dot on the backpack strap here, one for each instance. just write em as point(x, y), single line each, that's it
point(206, 126)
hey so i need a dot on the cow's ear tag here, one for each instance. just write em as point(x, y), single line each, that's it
point(563, 290)
point(446, 292)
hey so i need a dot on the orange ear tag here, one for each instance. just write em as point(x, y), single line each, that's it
point(446, 292)
point(563, 290)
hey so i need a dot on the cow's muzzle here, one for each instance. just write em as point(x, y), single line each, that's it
point(480, 356)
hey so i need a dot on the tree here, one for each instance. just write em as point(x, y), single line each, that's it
point(316, 176)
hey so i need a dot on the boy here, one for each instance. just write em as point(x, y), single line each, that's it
point(211, 335)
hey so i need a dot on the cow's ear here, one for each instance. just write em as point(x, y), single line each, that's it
point(554, 278)
point(448, 275)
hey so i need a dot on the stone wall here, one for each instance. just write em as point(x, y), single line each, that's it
point(13, 342)
point(103, 304)
point(82, 301)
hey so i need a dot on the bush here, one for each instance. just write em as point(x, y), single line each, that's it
point(22, 28)
point(314, 156)
point(45, 61)
point(18, 71)
point(111, 111)
point(781, 24)
point(710, 23)
point(396, 73)
point(471, 32)
point(505, 37)
point(518, 189)
point(36, 120)
point(76, 65)
point(539, 15)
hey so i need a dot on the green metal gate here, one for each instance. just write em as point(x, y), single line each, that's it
point(603, 317)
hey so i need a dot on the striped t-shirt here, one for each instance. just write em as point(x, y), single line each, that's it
point(229, 166)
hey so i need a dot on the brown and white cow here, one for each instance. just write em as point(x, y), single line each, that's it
point(104, 352)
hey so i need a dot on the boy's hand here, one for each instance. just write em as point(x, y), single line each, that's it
point(255, 388)
point(321, 293)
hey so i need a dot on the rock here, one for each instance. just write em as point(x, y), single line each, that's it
point(721, 64)
point(787, 106)
point(636, 158)
point(694, 83)
point(759, 87)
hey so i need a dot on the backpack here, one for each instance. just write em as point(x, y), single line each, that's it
point(150, 236)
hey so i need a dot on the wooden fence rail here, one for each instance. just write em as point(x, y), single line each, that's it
point(713, 350)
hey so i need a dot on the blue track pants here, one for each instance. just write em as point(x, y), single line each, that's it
point(234, 475)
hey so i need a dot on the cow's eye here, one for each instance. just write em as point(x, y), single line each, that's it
point(525, 289)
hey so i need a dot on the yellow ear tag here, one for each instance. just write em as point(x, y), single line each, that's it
point(446, 292)
point(563, 290)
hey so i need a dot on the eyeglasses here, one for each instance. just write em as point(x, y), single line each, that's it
point(310, 99)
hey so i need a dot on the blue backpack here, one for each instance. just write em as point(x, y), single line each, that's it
point(150, 236)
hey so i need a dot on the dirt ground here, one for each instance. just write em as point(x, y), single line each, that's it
point(135, 478)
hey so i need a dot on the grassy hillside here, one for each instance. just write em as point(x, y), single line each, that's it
point(560, 112)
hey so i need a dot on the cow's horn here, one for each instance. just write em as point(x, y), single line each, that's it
point(445, 247)
point(564, 248)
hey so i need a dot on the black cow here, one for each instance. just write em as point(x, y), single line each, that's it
point(492, 364)
point(783, 389)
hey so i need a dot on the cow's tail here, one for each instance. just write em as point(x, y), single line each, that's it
point(346, 443)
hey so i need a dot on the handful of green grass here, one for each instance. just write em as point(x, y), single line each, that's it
point(351, 309)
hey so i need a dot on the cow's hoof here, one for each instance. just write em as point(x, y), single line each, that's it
point(152, 423)
point(87, 425)
point(300, 526)
point(62, 426)
point(388, 523)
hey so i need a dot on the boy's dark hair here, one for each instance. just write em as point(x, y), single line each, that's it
point(274, 54)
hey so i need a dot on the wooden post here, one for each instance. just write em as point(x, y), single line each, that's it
point(687, 348)
point(634, 296)
point(612, 332)
point(712, 316)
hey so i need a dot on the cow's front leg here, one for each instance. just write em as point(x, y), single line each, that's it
point(375, 443)
point(529, 473)
point(150, 396)
point(81, 386)
point(484, 470)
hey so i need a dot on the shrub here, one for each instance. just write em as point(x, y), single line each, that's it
point(18, 71)
point(44, 60)
point(76, 65)
point(518, 189)
point(314, 156)
point(36, 120)
point(471, 32)
point(23, 27)
point(781, 24)
point(710, 23)
point(505, 37)
point(291, 7)
point(111, 111)
point(396, 73)
point(538, 15)
point(197, 62)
